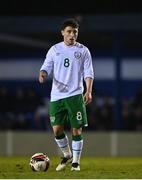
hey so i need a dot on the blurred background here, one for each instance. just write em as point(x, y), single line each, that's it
point(112, 30)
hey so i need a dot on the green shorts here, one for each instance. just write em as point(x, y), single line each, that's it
point(68, 110)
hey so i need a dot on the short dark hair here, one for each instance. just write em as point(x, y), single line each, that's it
point(70, 22)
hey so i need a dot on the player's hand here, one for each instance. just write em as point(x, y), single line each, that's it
point(87, 98)
point(42, 76)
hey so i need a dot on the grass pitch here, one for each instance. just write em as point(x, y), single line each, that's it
point(91, 168)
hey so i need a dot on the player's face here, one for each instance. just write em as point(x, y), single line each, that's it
point(70, 35)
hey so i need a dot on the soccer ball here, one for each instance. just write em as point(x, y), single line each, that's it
point(39, 162)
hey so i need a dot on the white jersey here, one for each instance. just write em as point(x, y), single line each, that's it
point(69, 65)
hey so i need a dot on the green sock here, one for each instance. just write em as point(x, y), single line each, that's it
point(77, 138)
point(61, 136)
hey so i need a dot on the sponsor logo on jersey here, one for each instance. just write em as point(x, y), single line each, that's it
point(57, 54)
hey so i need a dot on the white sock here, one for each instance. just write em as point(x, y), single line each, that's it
point(64, 146)
point(77, 150)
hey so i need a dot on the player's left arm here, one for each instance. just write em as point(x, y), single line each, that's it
point(88, 93)
point(88, 76)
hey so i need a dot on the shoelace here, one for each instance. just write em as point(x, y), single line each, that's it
point(64, 160)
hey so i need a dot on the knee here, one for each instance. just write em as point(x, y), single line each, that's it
point(76, 131)
point(58, 130)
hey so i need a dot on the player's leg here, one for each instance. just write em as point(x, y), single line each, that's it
point(63, 143)
point(78, 119)
point(62, 140)
point(77, 145)
point(58, 118)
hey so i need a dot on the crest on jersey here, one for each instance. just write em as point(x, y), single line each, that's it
point(77, 55)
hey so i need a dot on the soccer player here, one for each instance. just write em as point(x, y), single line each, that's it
point(70, 64)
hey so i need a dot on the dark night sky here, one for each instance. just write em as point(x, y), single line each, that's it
point(60, 7)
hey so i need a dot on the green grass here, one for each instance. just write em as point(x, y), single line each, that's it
point(91, 168)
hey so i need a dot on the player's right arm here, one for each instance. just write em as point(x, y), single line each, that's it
point(47, 66)
point(42, 76)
